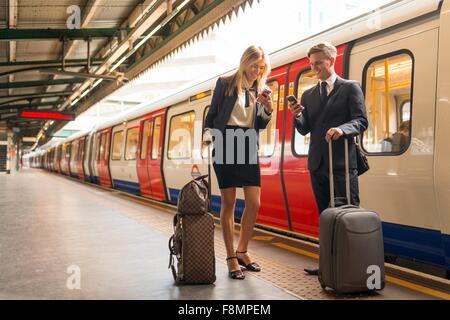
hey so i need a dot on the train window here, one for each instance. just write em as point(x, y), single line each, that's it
point(405, 111)
point(156, 135)
point(146, 129)
point(268, 136)
point(117, 145)
point(181, 136)
point(132, 143)
point(306, 81)
point(388, 87)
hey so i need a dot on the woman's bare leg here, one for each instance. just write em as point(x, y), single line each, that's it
point(227, 224)
point(252, 203)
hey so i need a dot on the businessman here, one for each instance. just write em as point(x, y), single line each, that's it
point(334, 109)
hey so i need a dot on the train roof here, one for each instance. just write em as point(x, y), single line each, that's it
point(370, 23)
point(392, 14)
point(77, 135)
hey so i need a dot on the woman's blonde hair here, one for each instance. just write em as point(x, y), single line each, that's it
point(249, 57)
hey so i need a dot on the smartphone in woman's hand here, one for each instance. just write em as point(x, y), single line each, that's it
point(266, 92)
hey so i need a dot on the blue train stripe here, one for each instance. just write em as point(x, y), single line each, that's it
point(446, 244)
point(421, 244)
point(127, 186)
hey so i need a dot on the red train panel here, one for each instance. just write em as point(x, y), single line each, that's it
point(151, 134)
point(104, 138)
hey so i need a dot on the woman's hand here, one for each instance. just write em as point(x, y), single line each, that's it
point(207, 138)
point(266, 101)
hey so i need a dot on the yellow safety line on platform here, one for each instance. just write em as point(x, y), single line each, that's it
point(417, 287)
point(263, 238)
point(296, 250)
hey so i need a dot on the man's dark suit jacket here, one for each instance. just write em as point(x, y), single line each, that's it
point(345, 109)
point(222, 105)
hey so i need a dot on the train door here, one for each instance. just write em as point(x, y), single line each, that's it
point(301, 203)
point(53, 159)
point(150, 155)
point(73, 160)
point(94, 156)
point(442, 152)
point(58, 158)
point(65, 159)
point(103, 156)
point(398, 76)
point(145, 137)
point(273, 210)
point(80, 158)
point(86, 158)
point(155, 157)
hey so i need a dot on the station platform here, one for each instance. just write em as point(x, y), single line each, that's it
point(51, 225)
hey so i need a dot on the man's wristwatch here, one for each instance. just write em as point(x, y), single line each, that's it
point(268, 113)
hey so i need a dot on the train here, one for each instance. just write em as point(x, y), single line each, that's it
point(403, 66)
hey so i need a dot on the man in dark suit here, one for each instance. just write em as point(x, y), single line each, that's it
point(334, 109)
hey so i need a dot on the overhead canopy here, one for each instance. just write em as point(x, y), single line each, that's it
point(66, 55)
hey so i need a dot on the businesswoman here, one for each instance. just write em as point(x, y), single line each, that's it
point(240, 108)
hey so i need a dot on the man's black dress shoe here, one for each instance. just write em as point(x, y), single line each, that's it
point(312, 272)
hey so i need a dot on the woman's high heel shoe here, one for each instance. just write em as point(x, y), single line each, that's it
point(238, 274)
point(252, 266)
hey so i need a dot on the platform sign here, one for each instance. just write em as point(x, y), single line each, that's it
point(48, 115)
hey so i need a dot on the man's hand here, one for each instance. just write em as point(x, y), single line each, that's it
point(334, 133)
point(296, 109)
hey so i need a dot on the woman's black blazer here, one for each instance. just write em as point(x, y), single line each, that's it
point(222, 106)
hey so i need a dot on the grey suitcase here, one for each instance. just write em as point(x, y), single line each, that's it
point(351, 244)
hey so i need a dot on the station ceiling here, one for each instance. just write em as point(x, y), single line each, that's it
point(66, 55)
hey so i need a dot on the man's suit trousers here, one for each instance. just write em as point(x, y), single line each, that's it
point(321, 186)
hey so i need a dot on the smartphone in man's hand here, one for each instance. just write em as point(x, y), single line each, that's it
point(292, 99)
point(295, 107)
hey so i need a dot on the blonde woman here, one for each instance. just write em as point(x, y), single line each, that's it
point(240, 108)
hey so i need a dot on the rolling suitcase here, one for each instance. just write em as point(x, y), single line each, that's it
point(192, 243)
point(351, 244)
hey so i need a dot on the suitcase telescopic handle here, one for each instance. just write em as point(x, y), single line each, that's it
point(347, 174)
point(209, 176)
